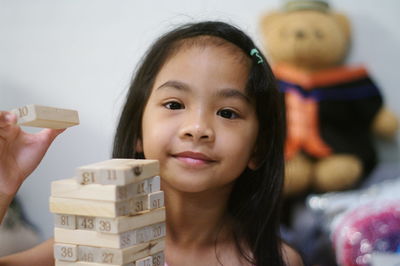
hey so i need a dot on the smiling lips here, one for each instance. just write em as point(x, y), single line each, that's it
point(193, 158)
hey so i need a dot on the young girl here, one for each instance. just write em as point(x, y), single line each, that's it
point(204, 103)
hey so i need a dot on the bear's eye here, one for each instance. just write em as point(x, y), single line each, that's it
point(319, 34)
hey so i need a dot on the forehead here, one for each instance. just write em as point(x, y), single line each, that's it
point(208, 67)
point(204, 41)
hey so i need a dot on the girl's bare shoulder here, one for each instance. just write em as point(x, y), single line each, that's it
point(291, 256)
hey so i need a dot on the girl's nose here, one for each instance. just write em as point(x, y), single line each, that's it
point(197, 128)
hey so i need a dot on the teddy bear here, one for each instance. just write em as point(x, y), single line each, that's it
point(332, 110)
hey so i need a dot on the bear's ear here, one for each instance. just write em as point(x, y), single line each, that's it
point(268, 19)
point(344, 23)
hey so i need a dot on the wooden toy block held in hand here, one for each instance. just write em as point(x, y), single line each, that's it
point(117, 171)
point(46, 117)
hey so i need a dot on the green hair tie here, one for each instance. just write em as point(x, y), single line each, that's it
point(255, 52)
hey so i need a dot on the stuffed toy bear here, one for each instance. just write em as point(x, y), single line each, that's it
point(332, 110)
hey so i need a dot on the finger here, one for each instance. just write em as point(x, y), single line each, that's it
point(48, 135)
point(7, 118)
point(8, 127)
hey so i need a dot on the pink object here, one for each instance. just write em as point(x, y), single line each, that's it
point(369, 228)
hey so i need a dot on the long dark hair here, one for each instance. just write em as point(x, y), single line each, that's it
point(254, 203)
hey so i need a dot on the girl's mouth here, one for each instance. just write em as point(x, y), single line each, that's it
point(193, 158)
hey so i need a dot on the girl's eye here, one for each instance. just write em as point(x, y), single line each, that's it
point(173, 105)
point(226, 113)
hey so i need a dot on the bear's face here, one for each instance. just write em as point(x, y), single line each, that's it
point(307, 39)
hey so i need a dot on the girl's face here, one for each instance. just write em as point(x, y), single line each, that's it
point(198, 121)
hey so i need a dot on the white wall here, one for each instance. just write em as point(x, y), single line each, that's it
point(80, 55)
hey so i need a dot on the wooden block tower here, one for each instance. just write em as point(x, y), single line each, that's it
point(110, 213)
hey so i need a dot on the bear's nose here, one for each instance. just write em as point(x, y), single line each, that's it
point(300, 34)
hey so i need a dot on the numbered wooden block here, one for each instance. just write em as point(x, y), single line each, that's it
point(88, 174)
point(65, 252)
point(124, 256)
point(131, 254)
point(147, 261)
point(156, 200)
point(158, 259)
point(69, 188)
point(85, 223)
point(92, 207)
point(94, 253)
point(83, 263)
point(117, 171)
point(110, 225)
point(122, 240)
point(88, 254)
point(149, 185)
point(99, 208)
point(154, 184)
point(46, 117)
point(142, 235)
point(65, 221)
point(128, 223)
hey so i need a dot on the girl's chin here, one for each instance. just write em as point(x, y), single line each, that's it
point(187, 186)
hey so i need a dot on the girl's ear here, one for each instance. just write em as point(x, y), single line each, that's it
point(139, 146)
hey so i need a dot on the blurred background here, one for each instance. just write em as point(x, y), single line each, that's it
point(81, 55)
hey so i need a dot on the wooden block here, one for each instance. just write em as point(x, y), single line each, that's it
point(142, 235)
point(82, 263)
point(92, 207)
point(69, 188)
point(154, 184)
point(104, 208)
point(127, 223)
point(157, 259)
point(119, 256)
point(47, 117)
point(65, 221)
point(85, 223)
point(66, 252)
point(147, 261)
point(122, 240)
point(131, 254)
point(156, 200)
point(147, 186)
point(110, 225)
point(88, 254)
point(117, 171)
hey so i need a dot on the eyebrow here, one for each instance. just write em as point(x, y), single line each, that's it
point(175, 84)
point(223, 93)
point(233, 93)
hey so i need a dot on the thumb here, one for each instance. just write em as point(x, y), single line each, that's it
point(48, 135)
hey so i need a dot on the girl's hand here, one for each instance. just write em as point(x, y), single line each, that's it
point(20, 153)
